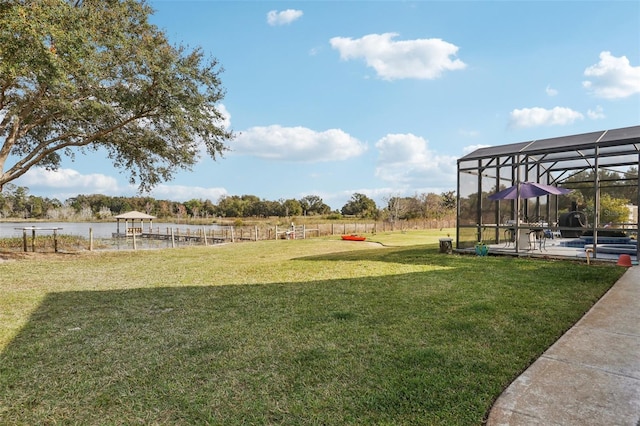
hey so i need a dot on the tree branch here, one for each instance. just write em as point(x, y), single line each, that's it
point(46, 148)
point(3, 91)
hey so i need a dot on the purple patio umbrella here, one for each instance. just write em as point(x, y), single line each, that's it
point(528, 190)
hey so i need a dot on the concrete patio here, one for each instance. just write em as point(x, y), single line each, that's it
point(555, 248)
point(590, 376)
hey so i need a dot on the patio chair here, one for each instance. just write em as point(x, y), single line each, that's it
point(537, 237)
point(509, 237)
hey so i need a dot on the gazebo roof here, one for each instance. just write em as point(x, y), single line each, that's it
point(134, 215)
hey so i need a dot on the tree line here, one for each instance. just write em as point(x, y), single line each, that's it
point(16, 202)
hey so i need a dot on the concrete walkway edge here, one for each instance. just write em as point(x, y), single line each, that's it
point(590, 376)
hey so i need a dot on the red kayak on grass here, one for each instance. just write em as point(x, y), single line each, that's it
point(353, 237)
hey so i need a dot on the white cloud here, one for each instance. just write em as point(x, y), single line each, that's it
point(297, 144)
point(69, 179)
point(550, 91)
point(533, 117)
point(284, 17)
point(225, 122)
point(612, 77)
point(596, 114)
point(406, 160)
point(67, 183)
point(420, 58)
point(183, 193)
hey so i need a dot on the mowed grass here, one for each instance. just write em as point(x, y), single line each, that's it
point(302, 332)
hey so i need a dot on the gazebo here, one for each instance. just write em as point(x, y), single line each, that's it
point(130, 227)
point(601, 169)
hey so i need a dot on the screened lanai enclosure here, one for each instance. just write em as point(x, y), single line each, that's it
point(589, 207)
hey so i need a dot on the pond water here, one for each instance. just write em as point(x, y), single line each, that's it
point(100, 229)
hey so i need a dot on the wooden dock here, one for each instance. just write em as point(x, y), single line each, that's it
point(197, 238)
point(176, 235)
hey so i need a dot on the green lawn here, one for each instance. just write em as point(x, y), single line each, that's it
point(300, 332)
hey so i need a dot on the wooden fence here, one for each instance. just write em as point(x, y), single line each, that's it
point(270, 232)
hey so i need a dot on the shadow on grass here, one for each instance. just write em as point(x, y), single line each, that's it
point(429, 254)
point(419, 348)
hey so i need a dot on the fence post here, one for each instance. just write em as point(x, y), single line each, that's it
point(90, 239)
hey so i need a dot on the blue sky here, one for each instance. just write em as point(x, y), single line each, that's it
point(330, 98)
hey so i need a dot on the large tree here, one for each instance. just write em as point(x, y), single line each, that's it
point(312, 204)
point(85, 75)
point(361, 206)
